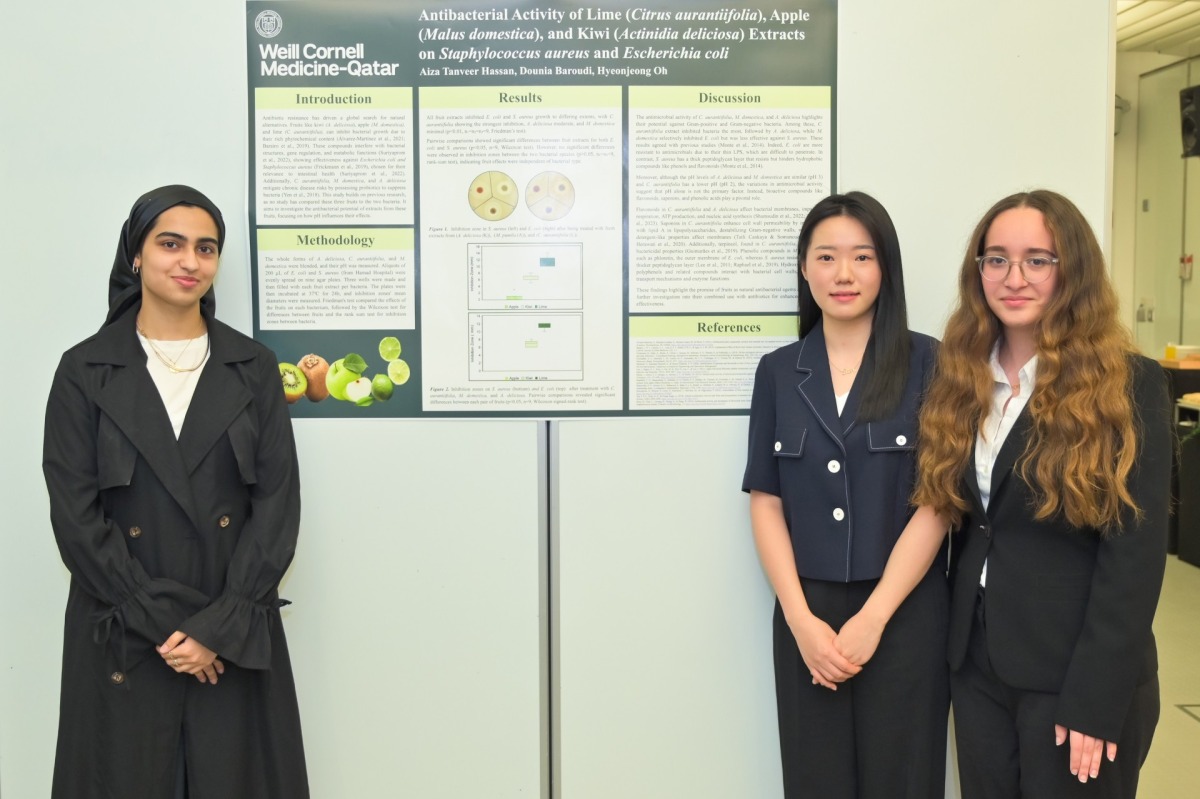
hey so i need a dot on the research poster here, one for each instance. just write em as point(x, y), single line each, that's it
point(551, 209)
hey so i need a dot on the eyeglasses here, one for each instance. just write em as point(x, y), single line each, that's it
point(1034, 269)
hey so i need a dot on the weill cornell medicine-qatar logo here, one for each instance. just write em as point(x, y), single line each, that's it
point(268, 24)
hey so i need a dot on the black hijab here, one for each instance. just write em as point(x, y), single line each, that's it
point(124, 286)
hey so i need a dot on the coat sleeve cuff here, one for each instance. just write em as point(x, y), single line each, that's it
point(237, 629)
point(1099, 720)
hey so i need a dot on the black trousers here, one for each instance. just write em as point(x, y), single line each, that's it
point(1005, 737)
point(882, 734)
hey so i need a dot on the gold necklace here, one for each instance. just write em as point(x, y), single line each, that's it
point(849, 371)
point(173, 364)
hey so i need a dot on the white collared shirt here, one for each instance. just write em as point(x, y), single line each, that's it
point(1006, 407)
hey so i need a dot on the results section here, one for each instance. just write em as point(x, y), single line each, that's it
point(521, 238)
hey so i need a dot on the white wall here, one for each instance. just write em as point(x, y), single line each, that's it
point(98, 105)
point(103, 101)
point(417, 635)
point(662, 618)
point(946, 106)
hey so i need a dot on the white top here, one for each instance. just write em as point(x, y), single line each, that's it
point(1006, 407)
point(176, 388)
point(841, 401)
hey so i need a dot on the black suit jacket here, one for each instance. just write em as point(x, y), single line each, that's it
point(1067, 610)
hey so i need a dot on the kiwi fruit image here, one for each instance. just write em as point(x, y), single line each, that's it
point(294, 381)
point(315, 368)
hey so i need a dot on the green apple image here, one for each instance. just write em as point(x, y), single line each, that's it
point(337, 378)
point(342, 373)
point(359, 391)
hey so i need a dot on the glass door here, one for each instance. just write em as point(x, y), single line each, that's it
point(1159, 228)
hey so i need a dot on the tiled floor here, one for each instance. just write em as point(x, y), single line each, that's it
point(1173, 768)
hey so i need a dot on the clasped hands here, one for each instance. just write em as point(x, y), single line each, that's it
point(831, 657)
point(186, 655)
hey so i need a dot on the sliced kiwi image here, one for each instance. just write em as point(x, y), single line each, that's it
point(294, 381)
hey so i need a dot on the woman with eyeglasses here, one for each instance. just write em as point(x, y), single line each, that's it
point(1046, 438)
point(860, 619)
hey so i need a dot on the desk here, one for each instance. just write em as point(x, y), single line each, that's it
point(1180, 381)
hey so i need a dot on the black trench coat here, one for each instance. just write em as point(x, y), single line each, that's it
point(162, 535)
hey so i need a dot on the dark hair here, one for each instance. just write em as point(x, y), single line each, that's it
point(885, 362)
point(144, 232)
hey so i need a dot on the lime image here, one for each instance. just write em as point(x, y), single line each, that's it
point(381, 388)
point(399, 372)
point(389, 348)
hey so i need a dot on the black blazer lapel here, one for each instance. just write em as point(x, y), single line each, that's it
point(220, 396)
point(972, 482)
point(816, 384)
point(1010, 451)
point(132, 401)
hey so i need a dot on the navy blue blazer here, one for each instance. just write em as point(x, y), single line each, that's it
point(845, 485)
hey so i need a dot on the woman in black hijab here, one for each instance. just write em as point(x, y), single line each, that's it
point(175, 501)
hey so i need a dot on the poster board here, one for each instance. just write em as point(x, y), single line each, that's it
point(532, 210)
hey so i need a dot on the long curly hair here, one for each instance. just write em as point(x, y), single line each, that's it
point(1083, 444)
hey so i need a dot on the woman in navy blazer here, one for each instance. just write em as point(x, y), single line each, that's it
point(859, 624)
point(1048, 439)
